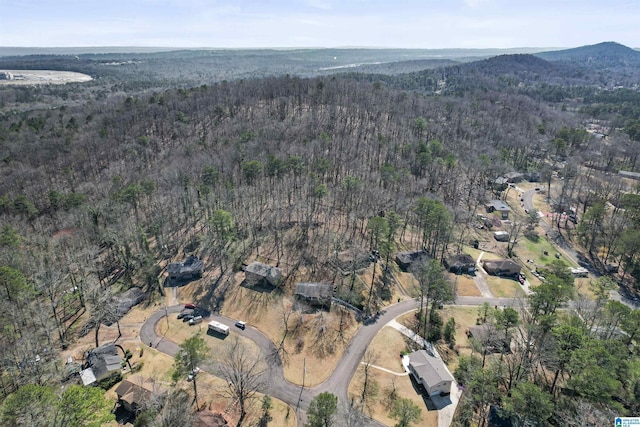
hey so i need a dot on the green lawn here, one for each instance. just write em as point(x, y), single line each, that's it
point(504, 288)
point(528, 249)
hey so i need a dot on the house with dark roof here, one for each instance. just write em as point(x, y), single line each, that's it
point(126, 302)
point(501, 267)
point(351, 260)
point(514, 177)
point(258, 273)
point(190, 268)
point(460, 263)
point(136, 390)
point(489, 337)
point(410, 258)
point(499, 206)
point(101, 362)
point(430, 372)
point(318, 294)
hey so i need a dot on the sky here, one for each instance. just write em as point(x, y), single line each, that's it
point(428, 24)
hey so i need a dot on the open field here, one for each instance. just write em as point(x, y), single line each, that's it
point(39, 77)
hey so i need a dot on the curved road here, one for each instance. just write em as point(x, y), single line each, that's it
point(277, 386)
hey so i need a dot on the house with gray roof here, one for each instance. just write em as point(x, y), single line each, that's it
point(430, 372)
point(499, 206)
point(101, 362)
point(190, 268)
point(258, 273)
point(318, 294)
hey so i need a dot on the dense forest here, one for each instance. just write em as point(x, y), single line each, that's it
point(105, 182)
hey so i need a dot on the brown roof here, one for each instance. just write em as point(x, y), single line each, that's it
point(135, 389)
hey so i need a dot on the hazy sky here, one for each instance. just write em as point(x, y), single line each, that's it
point(319, 23)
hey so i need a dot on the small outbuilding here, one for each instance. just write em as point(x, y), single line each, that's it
point(430, 372)
point(501, 267)
point(460, 263)
point(258, 273)
point(499, 206)
point(409, 258)
point(318, 294)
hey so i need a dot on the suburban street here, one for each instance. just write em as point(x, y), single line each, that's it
point(338, 383)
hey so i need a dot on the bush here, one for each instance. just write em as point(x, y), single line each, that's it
point(110, 381)
point(531, 235)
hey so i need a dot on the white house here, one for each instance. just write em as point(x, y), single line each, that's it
point(430, 372)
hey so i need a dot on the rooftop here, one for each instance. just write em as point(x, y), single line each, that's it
point(315, 290)
point(499, 205)
point(431, 369)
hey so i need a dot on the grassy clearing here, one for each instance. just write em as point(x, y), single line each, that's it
point(466, 286)
point(387, 346)
point(535, 250)
point(504, 288)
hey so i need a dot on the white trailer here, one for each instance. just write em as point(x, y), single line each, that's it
point(218, 328)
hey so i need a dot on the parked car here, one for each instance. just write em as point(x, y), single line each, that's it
point(195, 320)
point(184, 313)
point(187, 317)
point(190, 305)
point(240, 324)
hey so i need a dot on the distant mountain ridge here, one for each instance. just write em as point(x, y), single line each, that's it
point(601, 55)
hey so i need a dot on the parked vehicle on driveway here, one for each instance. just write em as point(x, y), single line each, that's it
point(195, 320)
point(240, 324)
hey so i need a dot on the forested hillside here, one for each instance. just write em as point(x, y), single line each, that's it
point(103, 183)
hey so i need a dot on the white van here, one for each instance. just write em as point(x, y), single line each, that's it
point(195, 320)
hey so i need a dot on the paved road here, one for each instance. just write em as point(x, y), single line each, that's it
point(338, 383)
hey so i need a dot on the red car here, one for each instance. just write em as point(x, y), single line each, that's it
point(190, 305)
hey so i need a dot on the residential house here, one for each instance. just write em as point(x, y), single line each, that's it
point(501, 267)
point(410, 258)
point(258, 273)
point(125, 302)
point(188, 269)
point(318, 294)
point(136, 390)
point(492, 340)
point(460, 263)
point(101, 362)
point(430, 372)
point(514, 177)
point(499, 206)
point(351, 260)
